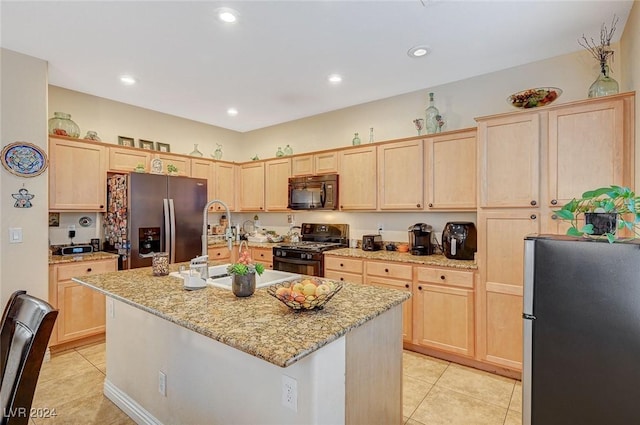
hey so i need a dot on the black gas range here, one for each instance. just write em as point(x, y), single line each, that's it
point(306, 256)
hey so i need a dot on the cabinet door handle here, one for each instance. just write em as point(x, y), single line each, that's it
point(341, 265)
point(101, 206)
point(418, 205)
point(406, 285)
point(419, 288)
point(430, 204)
point(386, 270)
point(554, 202)
point(342, 278)
point(533, 203)
point(554, 216)
point(533, 216)
point(89, 270)
point(443, 277)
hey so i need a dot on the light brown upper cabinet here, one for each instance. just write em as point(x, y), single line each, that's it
point(450, 171)
point(252, 186)
point(77, 175)
point(358, 178)
point(277, 173)
point(225, 185)
point(205, 169)
point(127, 159)
point(589, 147)
point(401, 176)
point(509, 161)
point(182, 163)
point(317, 163)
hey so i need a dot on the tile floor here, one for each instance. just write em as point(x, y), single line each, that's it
point(436, 392)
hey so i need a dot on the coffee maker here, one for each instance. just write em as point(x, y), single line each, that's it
point(420, 242)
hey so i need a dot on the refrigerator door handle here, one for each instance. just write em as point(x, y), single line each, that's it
point(172, 236)
point(167, 225)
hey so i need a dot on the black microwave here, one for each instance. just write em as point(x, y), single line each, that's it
point(313, 192)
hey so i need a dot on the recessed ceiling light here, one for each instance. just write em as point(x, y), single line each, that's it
point(227, 15)
point(335, 78)
point(232, 112)
point(127, 80)
point(419, 51)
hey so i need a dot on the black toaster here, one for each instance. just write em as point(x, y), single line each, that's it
point(371, 242)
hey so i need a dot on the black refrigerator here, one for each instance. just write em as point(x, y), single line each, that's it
point(581, 332)
point(149, 213)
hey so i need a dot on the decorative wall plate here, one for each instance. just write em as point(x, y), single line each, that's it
point(24, 159)
point(85, 221)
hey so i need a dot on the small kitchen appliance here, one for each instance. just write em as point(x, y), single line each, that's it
point(459, 240)
point(371, 243)
point(313, 192)
point(306, 256)
point(420, 239)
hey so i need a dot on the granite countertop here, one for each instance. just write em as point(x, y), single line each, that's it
point(404, 257)
point(259, 325)
point(100, 255)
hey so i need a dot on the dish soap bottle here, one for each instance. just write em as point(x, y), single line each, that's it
point(431, 123)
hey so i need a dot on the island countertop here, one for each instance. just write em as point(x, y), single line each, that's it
point(259, 325)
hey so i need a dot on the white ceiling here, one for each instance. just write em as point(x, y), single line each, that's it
point(272, 65)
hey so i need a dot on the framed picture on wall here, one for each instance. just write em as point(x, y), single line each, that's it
point(163, 147)
point(126, 141)
point(145, 144)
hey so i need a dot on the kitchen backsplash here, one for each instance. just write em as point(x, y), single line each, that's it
point(394, 225)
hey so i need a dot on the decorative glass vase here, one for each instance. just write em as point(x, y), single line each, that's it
point(195, 151)
point(217, 154)
point(432, 117)
point(288, 150)
point(371, 135)
point(62, 125)
point(356, 139)
point(92, 135)
point(279, 152)
point(604, 85)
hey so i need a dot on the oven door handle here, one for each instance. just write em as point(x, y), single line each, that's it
point(294, 261)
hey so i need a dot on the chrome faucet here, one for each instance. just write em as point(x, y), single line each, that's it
point(228, 234)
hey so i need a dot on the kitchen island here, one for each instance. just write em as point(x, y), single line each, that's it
point(176, 356)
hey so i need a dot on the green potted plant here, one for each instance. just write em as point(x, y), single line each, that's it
point(605, 210)
point(172, 169)
point(243, 273)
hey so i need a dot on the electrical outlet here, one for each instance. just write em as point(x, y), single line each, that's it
point(290, 219)
point(71, 227)
point(162, 383)
point(290, 393)
point(380, 227)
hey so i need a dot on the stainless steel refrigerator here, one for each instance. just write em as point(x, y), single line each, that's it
point(581, 332)
point(150, 213)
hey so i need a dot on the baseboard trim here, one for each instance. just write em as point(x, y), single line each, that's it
point(128, 405)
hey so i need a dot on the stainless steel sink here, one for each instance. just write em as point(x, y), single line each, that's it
point(221, 279)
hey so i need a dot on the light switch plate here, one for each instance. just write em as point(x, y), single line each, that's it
point(15, 234)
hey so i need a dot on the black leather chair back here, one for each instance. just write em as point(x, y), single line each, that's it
point(26, 327)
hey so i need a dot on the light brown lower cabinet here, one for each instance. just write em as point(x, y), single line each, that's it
point(394, 276)
point(81, 309)
point(443, 310)
point(343, 269)
point(263, 255)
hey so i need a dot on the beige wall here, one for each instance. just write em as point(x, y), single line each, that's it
point(112, 119)
point(458, 102)
point(630, 58)
point(23, 118)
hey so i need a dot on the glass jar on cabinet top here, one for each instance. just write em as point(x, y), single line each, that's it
point(62, 125)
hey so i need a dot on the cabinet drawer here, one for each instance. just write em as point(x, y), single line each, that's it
point(445, 276)
point(262, 255)
point(342, 276)
point(392, 270)
point(66, 272)
point(343, 264)
point(219, 253)
point(389, 283)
